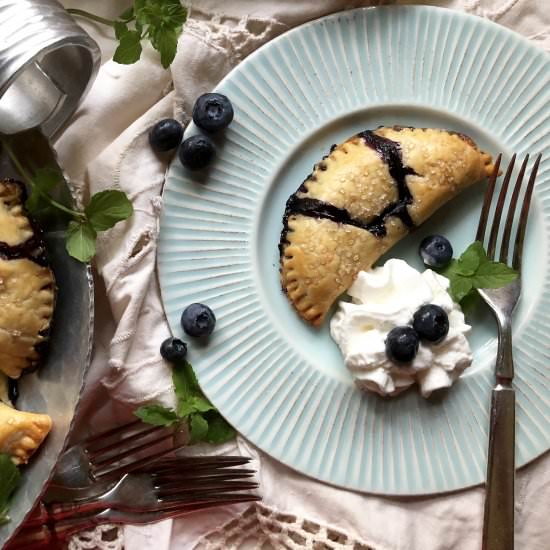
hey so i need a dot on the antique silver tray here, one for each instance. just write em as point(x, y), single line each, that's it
point(56, 387)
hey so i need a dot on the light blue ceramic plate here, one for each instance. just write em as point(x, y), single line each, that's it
point(280, 382)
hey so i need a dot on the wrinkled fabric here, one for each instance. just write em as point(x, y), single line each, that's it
point(106, 146)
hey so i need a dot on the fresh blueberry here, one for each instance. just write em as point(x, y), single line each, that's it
point(198, 320)
point(212, 112)
point(165, 135)
point(197, 152)
point(402, 344)
point(436, 251)
point(431, 322)
point(173, 350)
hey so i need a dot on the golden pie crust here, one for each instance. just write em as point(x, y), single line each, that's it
point(364, 196)
point(27, 285)
point(21, 433)
point(15, 227)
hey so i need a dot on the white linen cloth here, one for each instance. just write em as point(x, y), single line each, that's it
point(105, 146)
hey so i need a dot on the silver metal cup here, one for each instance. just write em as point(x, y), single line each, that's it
point(47, 64)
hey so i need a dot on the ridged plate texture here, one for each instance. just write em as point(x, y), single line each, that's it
point(283, 384)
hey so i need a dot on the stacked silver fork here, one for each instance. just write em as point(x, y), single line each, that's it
point(111, 453)
point(498, 530)
point(120, 476)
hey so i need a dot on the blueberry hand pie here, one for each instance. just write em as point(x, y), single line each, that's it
point(27, 286)
point(21, 433)
point(364, 196)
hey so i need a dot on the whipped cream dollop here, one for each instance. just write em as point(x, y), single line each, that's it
point(382, 299)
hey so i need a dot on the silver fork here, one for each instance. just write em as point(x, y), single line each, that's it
point(498, 526)
point(112, 453)
point(181, 480)
point(170, 485)
point(46, 536)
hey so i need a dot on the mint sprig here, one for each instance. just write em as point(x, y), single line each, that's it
point(474, 270)
point(9, 478)
point(205, 423)
point(159, 21)
point(157, 415)
point(104, 210)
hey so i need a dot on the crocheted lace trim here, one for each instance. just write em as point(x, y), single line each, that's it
point(261, 527)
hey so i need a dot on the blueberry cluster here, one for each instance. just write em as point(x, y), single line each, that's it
point(198, 321)
point(430, 323)
point(212, 112)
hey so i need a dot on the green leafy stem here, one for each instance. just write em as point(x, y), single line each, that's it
point(159, 21)
point(9, 478)
point(475, 270)
point(204, 422)
point(103, 211)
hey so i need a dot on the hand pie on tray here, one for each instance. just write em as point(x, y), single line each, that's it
point(27, 285)
point(21, 433)
point(364, 196)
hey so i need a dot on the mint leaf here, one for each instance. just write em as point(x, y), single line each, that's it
point(193, 404)
point(140, 4)
point(185, 407)
point(160, 21)
point(129, 49)
point(450, 270)
point(219, 430)
point(107, 208)
point(165, 41)
point(190, 397)
point(180, 379)
point(9, 478)
point(45, 180)
point(478, 246)
point(470, 259)
point(460, 287)
point(201, 404)
point(121, 29)
point(161, 13)
point(176, 12)
point(80, 243)
point(474, 270)
point(185, 382)
point(205, 422)
point(4, 518)
point(163, 20)
point(142, 10)
point(493, 275)
point(127, 14)
point(470, 302)
point(192, 378)
point(156, 415)
point(198, 428)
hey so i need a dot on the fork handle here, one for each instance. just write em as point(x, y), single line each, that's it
point(498, 525)
point(50, 536)
point(56, 511)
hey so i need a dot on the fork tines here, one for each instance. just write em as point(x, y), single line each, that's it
point(199, 470)
point(128, 447)
point(194, 479)
point(500, 207)
point(136, 446)
point(197, 462)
